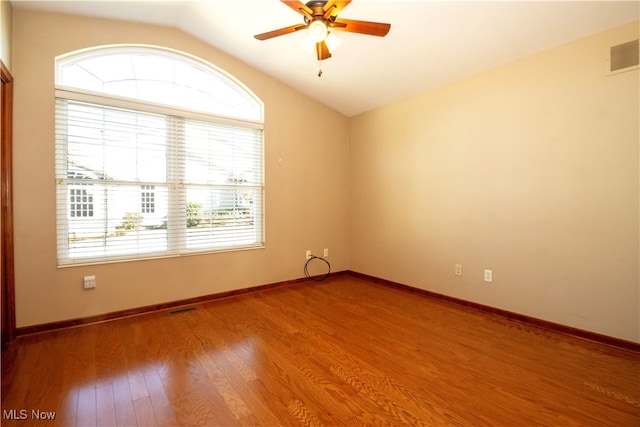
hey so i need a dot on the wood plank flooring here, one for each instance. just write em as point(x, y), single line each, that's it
point(345, 351)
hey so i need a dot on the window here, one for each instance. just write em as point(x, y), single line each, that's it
point(157, 154)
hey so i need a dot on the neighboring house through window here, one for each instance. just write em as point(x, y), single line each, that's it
point(148, 203)
point(80, 202)
point(157, 153)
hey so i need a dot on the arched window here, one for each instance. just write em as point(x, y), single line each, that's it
point(157, 153)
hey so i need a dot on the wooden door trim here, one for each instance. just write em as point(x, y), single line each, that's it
point(6, 202)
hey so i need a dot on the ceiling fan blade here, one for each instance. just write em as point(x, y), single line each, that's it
point(322, 51)
point(362, 27)
point(280, 32)
point(334, 7)
point(299, 7)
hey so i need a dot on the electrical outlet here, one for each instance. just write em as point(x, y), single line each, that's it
point(308, 254)
point(326, 252)
point(488, 276)
point(458, 270)
point(89, 282)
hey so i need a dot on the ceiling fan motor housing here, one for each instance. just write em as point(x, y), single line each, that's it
point(313, 4)
point(318, 12)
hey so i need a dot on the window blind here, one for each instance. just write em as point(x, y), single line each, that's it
point(133, 183)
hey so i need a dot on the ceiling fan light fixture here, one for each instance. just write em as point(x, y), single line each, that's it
point(332, 42)
point(308, 45)
point(318, 30)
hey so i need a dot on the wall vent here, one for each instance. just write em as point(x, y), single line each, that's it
point(623, 57)
point(182, 310)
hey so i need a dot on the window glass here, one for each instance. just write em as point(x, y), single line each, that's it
point(158, 76)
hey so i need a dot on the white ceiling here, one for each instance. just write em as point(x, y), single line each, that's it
point(430, 42)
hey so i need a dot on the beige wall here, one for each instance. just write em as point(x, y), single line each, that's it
point(529, 169)
point(305, 172)
point(6, 13)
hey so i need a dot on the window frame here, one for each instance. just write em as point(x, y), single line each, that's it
point(107, 100)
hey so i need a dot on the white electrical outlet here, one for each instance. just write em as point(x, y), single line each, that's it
point(89, 282)
point(488, 276)
point(308, 254)
point(326, 252)
point(458, 270)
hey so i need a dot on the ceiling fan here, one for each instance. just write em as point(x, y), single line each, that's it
point(321, 16)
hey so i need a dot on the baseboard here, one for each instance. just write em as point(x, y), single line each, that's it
point(532, 321)
point(45, 327)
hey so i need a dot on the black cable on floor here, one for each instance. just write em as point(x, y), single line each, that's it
point(316, 278)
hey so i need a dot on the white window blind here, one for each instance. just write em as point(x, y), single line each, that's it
point(134, 183)
point(158, 153)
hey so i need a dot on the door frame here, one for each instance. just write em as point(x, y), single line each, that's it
point(6, 205)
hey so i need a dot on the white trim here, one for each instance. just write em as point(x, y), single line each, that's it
point(86, 262)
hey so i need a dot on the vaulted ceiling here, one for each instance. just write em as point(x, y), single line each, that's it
point(430, 42)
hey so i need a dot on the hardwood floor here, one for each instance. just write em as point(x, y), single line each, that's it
point(345, 351)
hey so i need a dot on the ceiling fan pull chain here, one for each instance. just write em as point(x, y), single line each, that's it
point(319, 68)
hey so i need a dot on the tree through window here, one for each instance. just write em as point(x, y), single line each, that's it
point(156, 153)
